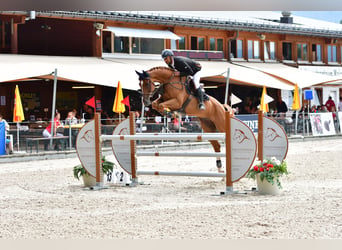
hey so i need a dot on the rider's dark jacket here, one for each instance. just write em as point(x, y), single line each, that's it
point(185, 66)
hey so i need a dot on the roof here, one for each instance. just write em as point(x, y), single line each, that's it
point(265, 21)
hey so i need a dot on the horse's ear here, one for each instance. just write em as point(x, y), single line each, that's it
point(146, 74)
point(141, 75)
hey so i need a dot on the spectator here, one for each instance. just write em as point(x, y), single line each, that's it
point(250, 108)
point(281, 106)
point(47, 131)
point(70, 119)
point(330, 104)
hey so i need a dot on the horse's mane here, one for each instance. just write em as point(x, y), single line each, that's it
point(159, 68)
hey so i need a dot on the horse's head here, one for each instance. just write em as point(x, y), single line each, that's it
point(147, 87)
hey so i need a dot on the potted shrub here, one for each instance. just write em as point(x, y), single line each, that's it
point(267, 173)
point(89, 181)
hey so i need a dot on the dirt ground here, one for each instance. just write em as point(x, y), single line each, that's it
point(42, 200)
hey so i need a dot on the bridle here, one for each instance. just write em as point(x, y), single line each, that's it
point(159, 89)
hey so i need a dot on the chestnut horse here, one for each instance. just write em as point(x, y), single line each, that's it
point(173, 95)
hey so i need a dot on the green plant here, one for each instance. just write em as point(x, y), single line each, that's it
point(269, 170)
point(79, 170)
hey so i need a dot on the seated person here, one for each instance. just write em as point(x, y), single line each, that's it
point(47, 131)
point(70, 119)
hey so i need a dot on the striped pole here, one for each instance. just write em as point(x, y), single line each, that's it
point(167, 136)
point(191, 174)
point(179, 154)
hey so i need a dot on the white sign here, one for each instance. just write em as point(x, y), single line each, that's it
point(122, 148)
point(322, 124)
point(117, 176)
point(85, 147)
point(243, 148)
point(275, 142)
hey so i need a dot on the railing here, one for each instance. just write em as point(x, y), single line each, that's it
point(294, 125)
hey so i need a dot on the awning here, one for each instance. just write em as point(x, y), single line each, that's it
point(107, 72)
point(130, 32)
point(287, 73)
point(217, 72)
point(80, 69)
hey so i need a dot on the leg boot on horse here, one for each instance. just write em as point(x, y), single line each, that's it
point(199, 94)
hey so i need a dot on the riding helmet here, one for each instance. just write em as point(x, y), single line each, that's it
point(166, 53)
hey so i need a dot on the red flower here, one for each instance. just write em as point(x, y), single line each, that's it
point(261, 169)
point(267, 169)
point(265, 164)
point(256, 168)
point(270, 165)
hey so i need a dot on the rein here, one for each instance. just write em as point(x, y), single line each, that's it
point(160, 89)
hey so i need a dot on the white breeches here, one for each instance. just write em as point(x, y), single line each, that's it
point(196, 78)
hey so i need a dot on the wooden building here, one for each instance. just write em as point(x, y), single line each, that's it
point(273, 49)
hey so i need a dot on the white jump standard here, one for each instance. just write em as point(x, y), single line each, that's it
point(240, 154)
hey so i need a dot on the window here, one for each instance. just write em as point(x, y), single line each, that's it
point(269, 50)
point(181, 43)
point(302, 52)
point(197, 43)
point(253, 49)
point(332, 53)
point(107, 42)
point(212, 43)
point(147, 45)
point(216, 44)
point(119, 40)
point(5, 35)
point(136, 45)
point(121, 44)
point(316, 52)
point(287, 51)
point(236, 49)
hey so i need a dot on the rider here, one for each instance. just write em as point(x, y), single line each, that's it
point(187, 67)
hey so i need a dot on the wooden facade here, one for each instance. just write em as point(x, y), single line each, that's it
point(78, 35)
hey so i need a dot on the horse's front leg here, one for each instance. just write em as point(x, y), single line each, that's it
point(155, 104)
point(172, 104)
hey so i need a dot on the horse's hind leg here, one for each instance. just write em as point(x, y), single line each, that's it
point(217, 148)
point(209, 127)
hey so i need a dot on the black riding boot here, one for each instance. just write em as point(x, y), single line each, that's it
point(199, 93)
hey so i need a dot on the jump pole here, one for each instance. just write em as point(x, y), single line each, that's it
point(133, 148)
point(214, 136)
point(260, 135)
point(97, 133)
point(229, 183)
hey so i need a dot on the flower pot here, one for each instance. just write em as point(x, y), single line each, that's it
point(264, 187)
point(88, 180)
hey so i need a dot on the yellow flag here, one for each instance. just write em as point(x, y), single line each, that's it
point(296, 99)
point(118, 106)
point(18, 113)
point(263, 103)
